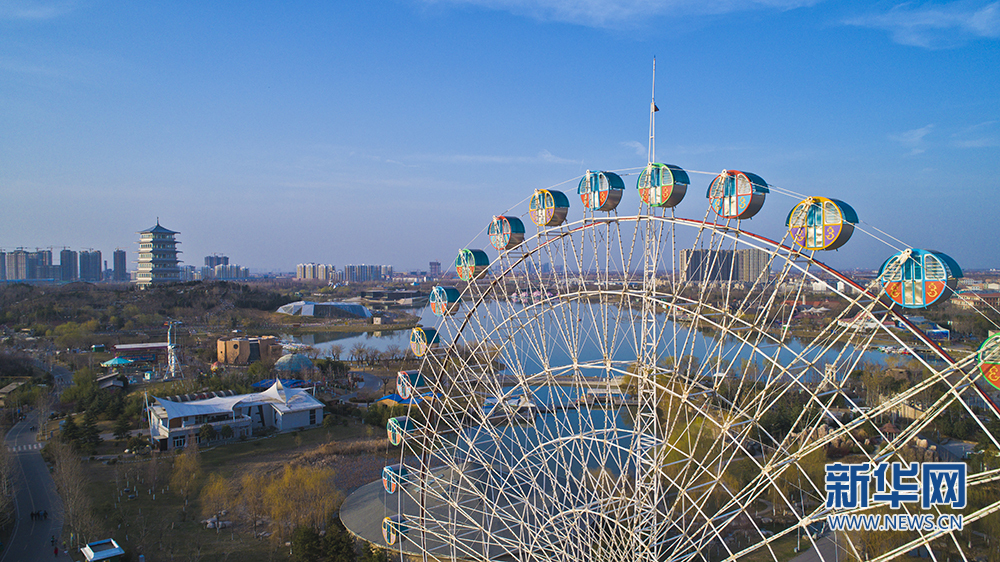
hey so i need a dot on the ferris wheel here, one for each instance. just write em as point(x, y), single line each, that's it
point(629, 384)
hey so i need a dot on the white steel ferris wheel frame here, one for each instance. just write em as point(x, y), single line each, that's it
point(487, 480)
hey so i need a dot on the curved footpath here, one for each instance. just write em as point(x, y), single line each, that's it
point(35, 491)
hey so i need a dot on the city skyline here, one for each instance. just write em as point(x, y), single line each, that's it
point(392, 133)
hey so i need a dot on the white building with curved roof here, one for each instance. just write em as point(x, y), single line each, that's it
point(175, 423)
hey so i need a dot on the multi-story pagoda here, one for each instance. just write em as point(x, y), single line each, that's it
point(157, 257)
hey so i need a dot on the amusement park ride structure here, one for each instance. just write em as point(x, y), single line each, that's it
point(624, 415)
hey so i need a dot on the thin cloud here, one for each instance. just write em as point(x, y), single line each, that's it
point(618, 13)
point(913, 139)
point(640, 149)
point(33, 9)
point(980, 135)
point(543, 156)
point(936, 26)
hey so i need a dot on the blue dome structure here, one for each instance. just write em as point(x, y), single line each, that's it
point(293, 363)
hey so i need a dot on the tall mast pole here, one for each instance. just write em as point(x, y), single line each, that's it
point(651, 156)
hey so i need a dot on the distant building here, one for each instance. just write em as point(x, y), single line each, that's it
point(325, 309)
point(158, 261)
point(969, 299)
point(69, 268)
point(90, 265)
point(229, 272)
point(150, 357)
point(120, 273)
point(706, 265)
point(18, 265)
point(434, 269)
point(316, 271)
point(753, 265)
point(244, 351)
point(3, 265)
point(363, 273)
point(745, 265)
point(216, 259)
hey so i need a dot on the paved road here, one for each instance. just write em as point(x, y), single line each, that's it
point(826, 550)
point(35, 491)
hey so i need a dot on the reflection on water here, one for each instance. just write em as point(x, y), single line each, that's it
point(699, 344)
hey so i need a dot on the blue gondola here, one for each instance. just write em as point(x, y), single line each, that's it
point(601, 191)
point(471, 264)
point(737, 195)
point(393, 477)
point(506, 233)
point(663, 185)
point(398, 428)
point(988, 358)
point(393, 527)
point(818, 223)
point(917, 278)
point(410, 384)
point(422, 339)
point(548, 207)
point(444, 300)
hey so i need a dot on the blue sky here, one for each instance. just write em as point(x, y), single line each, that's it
point(392, 131)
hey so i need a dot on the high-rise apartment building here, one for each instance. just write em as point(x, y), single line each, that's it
point(363, 273)
point(158, 261)
point(434, 269)
point(316, 271)
point(69, 268)
point(17, 265)
point(753, 264)
point(743, 265)
point(90, 266)
point(3, 265)
point(120, 273)
point(216, 259)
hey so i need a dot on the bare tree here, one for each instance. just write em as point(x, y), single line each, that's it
point(6, 484)
point(70, 481)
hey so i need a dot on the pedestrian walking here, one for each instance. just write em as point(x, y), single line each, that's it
point(55, 552)
point(45, 515)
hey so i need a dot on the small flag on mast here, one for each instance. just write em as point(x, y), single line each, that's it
point(654, 108)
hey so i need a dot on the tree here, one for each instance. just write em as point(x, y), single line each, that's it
point(338, 544)
point(359, 351)
point(186, 471)
point(70, 431)
point(251, 499)
point(259, 371)
point(301, 496)
point(226, 432)
point(122, 427)
point(372, 553)
point(306, 545)
point(6, 485)
point(207, 432)
point(90, 436)
point(70, 480)
point(216, 495)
